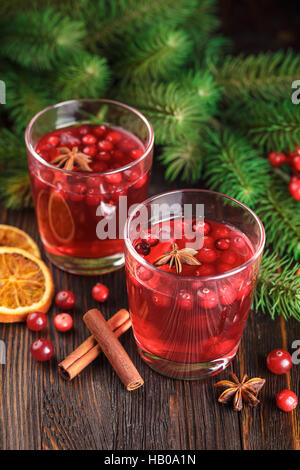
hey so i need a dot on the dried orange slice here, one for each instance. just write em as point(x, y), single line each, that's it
point(17, 238)
point(26, 285)
point(60, 218)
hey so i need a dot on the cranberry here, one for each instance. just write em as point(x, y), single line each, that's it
point(132, 175)
point(62, 189)
point(36, 321)
point(207, 298)
point(276, 158)
point(65, 299)
point(150, 238)
point(227, 295)
point(83, 130)
point(141, 182)
point(42, 349)
point(63, 322)
point(185, 300)
point(113, 178)
point(294, 189)
point(100, 131)
point(228, 258)
point(105, 145)
point(286, 400)
point(222, 244)
point(244, 290)
point(206, 255)
point(238, 242)
point(89, 139)
point(136, 153)
point(99, 167)
point(100, 292)
point(93, 198)
point(117, 155)
point(296, 162)
point(221, 232)
point(208, 242)
point(103, 156)
point(205, 270)
point(127, 145)
point(94, 182)
point(143, 248)
point(202, 227)
point(161, 300)
point(77, 192)
point(114, 137)
point(53, 140)
point(144, 274)
point(223, 268)
point(90, 150)
point(279, 361)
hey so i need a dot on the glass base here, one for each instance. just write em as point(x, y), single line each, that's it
point(87, 266)
point(184, 371)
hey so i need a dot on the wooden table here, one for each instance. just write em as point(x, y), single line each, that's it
point(39, 410)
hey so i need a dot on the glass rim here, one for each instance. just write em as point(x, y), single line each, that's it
point(148, 149)
point(231, 272)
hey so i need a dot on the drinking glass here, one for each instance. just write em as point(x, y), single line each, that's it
point(68, 222)
point(190, 340)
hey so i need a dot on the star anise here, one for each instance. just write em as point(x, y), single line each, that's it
point(178, 257)
point(246, 390)
point(68, 158)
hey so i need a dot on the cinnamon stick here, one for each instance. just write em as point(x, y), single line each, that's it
point(87, 352)
point(113, 349)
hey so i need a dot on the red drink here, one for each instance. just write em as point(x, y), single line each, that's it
point(77, 181)
point(189, 323)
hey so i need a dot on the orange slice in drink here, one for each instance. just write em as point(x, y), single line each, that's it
point(60, 218)
point(26, 285)
point(17, 238)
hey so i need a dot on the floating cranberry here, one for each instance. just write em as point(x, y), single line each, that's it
point(83, 130)
point(99, 167)
point(105, 145)
point(100, 292)
point(227, 295)
point(100, 131)
point(185, 300)
point(286, 400)
point(223, 268)
point(207, 298)
point(206, 255)
point(279, 361)
point(228, 258)
point(114, 178)
point(132, 175)
point(205, 270)
point(117, 155)
point(62, 189)
point(114, 137)
point(143, 248)
point(78, 191)
point(89, 139)
point(65, 299)
point(63, 322)
point(222, 244)
point(141, 182)
point(294, 189)
point(150, 238)
point(221, 232)
point(296, 162)
point(202, 227)
point(244, 290)
point(36, 321)
point(144, 274)
point(93, 198)
point(277, 158)
point(42, 349)
point(94, 182)
point(238, 242)
point(161, 300)
point(103, 156)
point(53, 140)
point(136, 153)
point(208, 242)
point(90, 150)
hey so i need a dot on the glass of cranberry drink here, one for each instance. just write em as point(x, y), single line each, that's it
point(192, 259)
point(84, 157)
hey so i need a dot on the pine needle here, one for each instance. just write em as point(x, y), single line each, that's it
point(16, 190)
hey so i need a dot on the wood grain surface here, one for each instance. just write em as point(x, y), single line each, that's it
point(39, 410)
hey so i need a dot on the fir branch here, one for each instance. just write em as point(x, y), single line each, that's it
point(156, 53)
point(38, 39)
point(266, 75)
point(85, 76)
point(184, 159)
point(108, 21)
point(15, 189)
point(280, 215)
point(278, 288)
point(266, 126)
point(233, 167)
point(174, 112)
point(203, 84)
point(27, 94)
point(12, 150)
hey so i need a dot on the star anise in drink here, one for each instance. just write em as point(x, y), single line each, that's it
point(178, 258)
point(244, 391)
point(68, 158)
